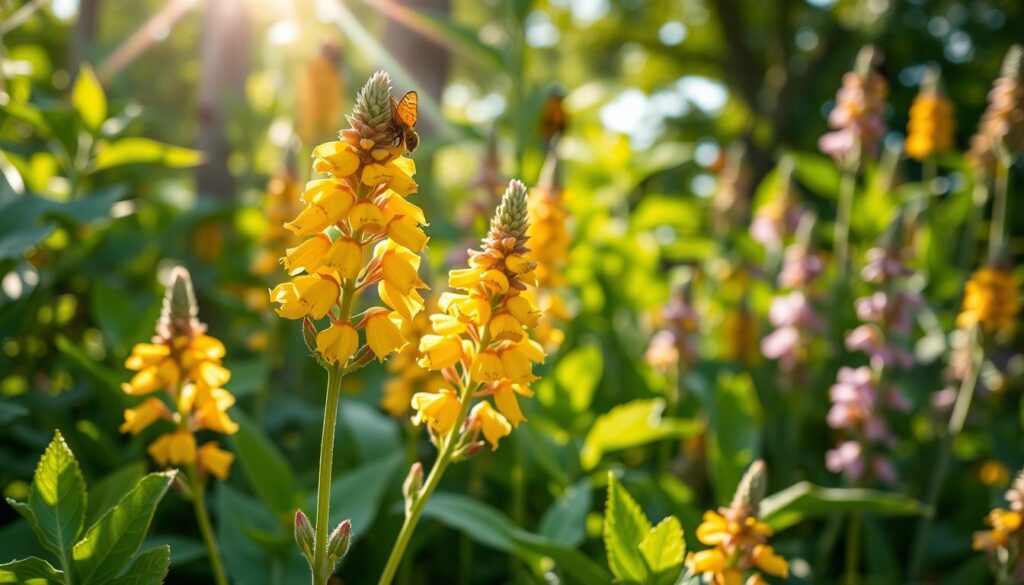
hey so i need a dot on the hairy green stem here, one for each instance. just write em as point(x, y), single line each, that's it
point(998, 228)
point(321, 572)
point(198, 486)
point(956, 424)
point(842, 229)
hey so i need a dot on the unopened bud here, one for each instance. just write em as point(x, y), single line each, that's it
point(339, 542)
point(752, 488)
point(468, 450)
point(412, 485)
point(304, 535)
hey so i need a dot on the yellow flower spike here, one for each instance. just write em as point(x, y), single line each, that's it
point(400, 272)
point(337, 342)
point(382, 333)
point(487, 367)
point(493, 425)
point(145, 355)
point(393, 175)
point(507, 402)
point(367, 217)
point(345, 256)
point(215, 419)
point(174, 449)
point(439, 410)
point(446, 324)
point(472, 308)
point(337, 158)
point(404, 231)
point(523, 310)
point(517, 365)
point(327, 207)
point(518, 264)
point(769, 562)
point(142, 416)
point(439, 351)
point(713, 530)
point(464, 278)
point(504, 326)
point(317, 189)
point(707, 561)
point(144, 382)
point(398, 206)
point(406, 304)
point(205, 347)
point(213, 375)
point(307, 255)
point(214, 460)
point(312, 295)
point(494, 281)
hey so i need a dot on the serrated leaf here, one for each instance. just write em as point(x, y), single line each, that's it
point(625, 527)
point(630, 425)
point(30, 571)
point(57, 498)
point(88, 98)
point(112, 541)
point(149, 568)
point(806, 500)
point(663, 547)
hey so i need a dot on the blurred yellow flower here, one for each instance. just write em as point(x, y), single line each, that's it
point(991, 301)
point(214, 460)
point(931, 126)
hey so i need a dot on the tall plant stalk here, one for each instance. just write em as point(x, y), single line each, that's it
point(198, 485)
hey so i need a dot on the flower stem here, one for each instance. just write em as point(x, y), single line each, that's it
point(205, 527)
point(969, 247)
point(321, 572)
point(998, 228)
point(853, 538)
point(843, 213)
point(444, 458)
point(956, 424)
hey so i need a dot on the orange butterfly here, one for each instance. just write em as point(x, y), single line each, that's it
point(403, 116)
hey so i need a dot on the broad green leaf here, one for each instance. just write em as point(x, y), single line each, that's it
point(817, 172)
point(136, 150)
point(184, 549)
point(663, 547)
point(565, 522)
point(57, 498)
point(254, 542)
point(88, 98)
point(806, 500)
point(107, 491)
point(269, 474)
point(30, 571)
point(625, 527)
point(15, 244)
point(375, 434)
point(578, 373)
point(356, 494)
point(491, 528)
point(111, 542)
point(149, 568)
point(10, 411)
point(28, 113)
point(734, 433)
point(630, 425)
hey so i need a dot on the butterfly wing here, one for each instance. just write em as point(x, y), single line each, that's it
point(406, 110)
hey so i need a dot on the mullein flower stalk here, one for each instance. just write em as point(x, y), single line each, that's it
point(319, 95)
point(550, 239)
point(858, 130)
point(779, 218)
point(738, 539)
point(929, 135)
point(359, 231)
point(989, 315)
point(1004, 543)
point(481, 346)
point(182, 377)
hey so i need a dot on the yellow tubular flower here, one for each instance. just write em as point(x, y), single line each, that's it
point(406, 377)
point(480, 337)
point(439, 410)
point(360, 205)
point(337, 342)
point(738, 539)
point(991, 301)
point(931, 125)
point(184, 365)
point(214, 460)
point(550, 239)
point(1005, 541)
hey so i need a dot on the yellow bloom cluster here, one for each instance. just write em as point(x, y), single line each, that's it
point(406, 377)
point(280, 203)
point(480, 341)
point(182, 376)
point(991, 301)
point(1005, 541)
point(931, 125)
point(738, 539)
point(550, 239)
point(319, 96)
point(360, 231)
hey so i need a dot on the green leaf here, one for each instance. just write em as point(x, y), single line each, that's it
point(254, 542)
point(107, 491)
point(491, 528)
point(565, 522)
point(88, 98)
point(132, 151)
point(149, 568)
point(15, 244)
point(357, 493)
point(806, 500)
point(112, 541)
point(30, 571)
point(818, 173)
point(10, 411)
point(57, 498)
point(625, 527)
point(578, 373)
point(735, 431)
point(663, 547)
point(270, 476)
point(185, 549)
point(630, 425)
